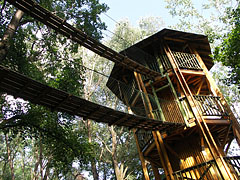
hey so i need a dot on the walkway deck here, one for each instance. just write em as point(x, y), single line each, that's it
point(21, 86)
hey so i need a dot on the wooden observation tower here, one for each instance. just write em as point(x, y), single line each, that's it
point(182, 122)
point(184, 93)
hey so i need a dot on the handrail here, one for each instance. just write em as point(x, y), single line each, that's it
point(210, 105)
point(234, 164)
point(183, 60)
point(208, 170)
point(199, 172)
point(186, 60)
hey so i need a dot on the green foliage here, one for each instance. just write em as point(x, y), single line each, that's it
point(62, 142)
point(42, 54)
point(126, 35)
point(229, 51)
point(83, 14)
point(206, 17)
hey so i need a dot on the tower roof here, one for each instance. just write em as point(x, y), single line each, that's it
point(180, 39)
point(144, 53)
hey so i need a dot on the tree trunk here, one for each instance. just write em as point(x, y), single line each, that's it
point(119, 172)
point(9, 157)
point(9, 33)
point(35, 174)
point(47, 171)
point(23, 163)
point(41, 157)
point(93, 163)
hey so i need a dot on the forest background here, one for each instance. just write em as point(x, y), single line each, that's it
point(39, 144)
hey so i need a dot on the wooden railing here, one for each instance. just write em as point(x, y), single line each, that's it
point(234, 164)
point(204, 171)
point(183, 60)
point(145, 138)
point(208, 170)
point(210, 105)
point(186, 60)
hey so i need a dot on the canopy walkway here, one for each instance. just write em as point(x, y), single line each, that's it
point(61, 26)
point(19, 85)
point(26, 88)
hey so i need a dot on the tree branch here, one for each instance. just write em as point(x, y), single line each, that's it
point(104, 144)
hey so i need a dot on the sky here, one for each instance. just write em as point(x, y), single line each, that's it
point(134, 10)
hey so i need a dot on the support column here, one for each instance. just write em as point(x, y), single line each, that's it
point(156, 134)
point(144, 167)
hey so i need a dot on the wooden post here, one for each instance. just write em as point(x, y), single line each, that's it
point(140, 89)
point(168, 165)
point(221, 164)
point(156, 135)
point(144, 167)
point(160, 155)
point(157, 101)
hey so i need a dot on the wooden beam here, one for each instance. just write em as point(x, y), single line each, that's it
point(135, 99)
point(140, 89)
point(226, 136)
point(200, 86)
point(149, 149)
point(161, 156)
point(144, 167)
point(217, 122)
point(158, 104)
point(161, 88)
point(165, 155)
point(197, 114)
point(156, 135)
point(192, 72)
point(228, 146)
